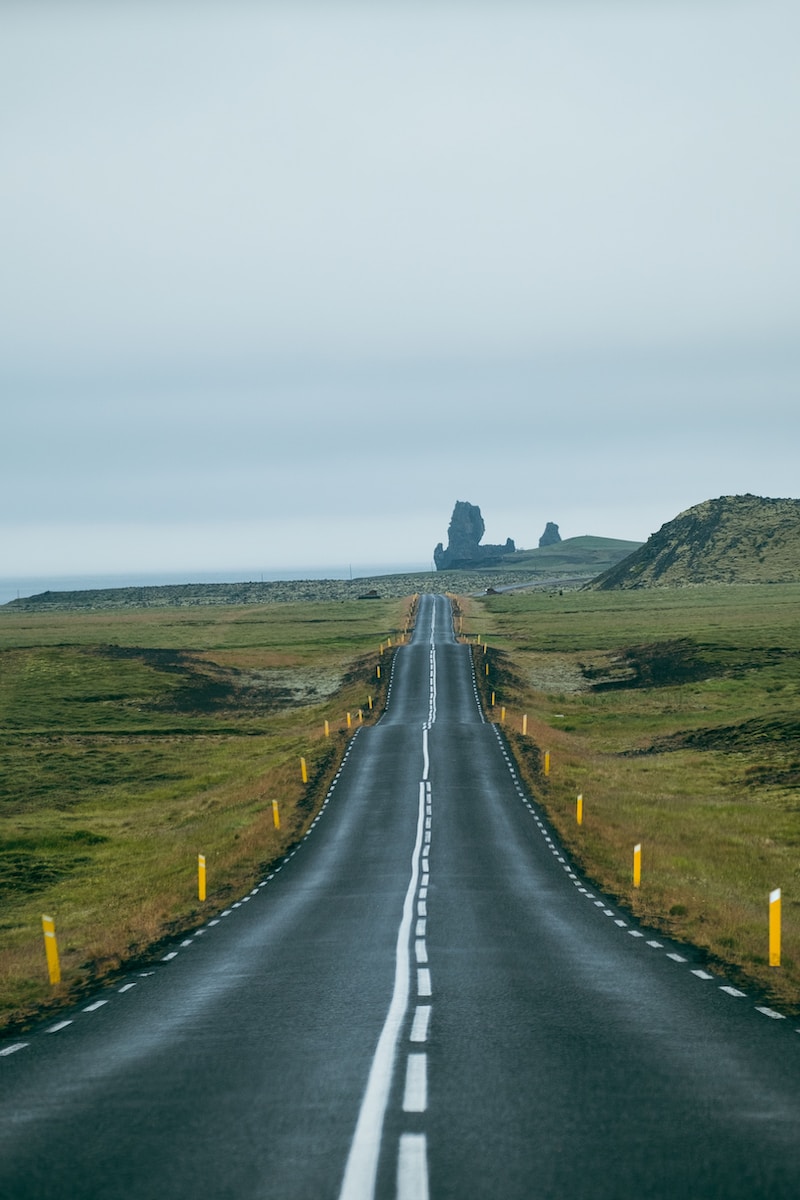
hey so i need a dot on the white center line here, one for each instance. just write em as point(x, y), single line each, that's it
point(412, 1168)
point(420, 950)
point(422, 1018)
point(415, 1097)
point(424, 982)
point(362, 1162)
point(60, 1025)
point(94, 1007)
point(12, 1049)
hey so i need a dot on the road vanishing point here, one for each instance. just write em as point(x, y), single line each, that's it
point(423, 999)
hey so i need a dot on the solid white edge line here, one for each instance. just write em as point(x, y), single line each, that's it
point(412, 1167)
point(362, 1162)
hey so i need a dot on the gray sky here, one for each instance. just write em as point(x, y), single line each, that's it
point(282, 281)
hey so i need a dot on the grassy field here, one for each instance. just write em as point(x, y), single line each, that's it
point(131, 741)
point(675, 714)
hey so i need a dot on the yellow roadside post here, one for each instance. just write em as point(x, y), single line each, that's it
point(327, 730)
point(51, 949)
point(579, 810)
point(487, 668)
point(369, 702)
point(378, 669)
point(502, 714)
point(637, 865)
point(547, 762)
point(303, 770)
point(492, 699)
point(349, 721)
point(201, 877)
point(775, 928)
point(524, 723)
point(276, 816)
point(360, 716)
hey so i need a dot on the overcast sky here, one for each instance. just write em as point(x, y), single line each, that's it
point(283, 281)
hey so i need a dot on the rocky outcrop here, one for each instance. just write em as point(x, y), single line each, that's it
point(734, 539)
point(551, 536)
point(464, 533)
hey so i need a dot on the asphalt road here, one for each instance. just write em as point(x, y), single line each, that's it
point(424, 999)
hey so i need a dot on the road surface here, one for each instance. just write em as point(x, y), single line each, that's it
point(423, 1000)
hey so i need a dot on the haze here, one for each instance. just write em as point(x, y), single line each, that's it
point(281, 282)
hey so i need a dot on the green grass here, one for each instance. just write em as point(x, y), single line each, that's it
point(132, 741)
point(676, 714)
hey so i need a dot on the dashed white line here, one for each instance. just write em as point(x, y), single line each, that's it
point(415, 1096)
point(412, 1167)
point(677, 958)
point(12, 1049)
point(770, 1012)
point(172, 954)
point(732, 991)
point(94, 1007)
point(420, 950)
point(424, 982)
point(702, 974)
point(126, 987)
point(422, 1018)
point(59, 1025)
point(420, 929)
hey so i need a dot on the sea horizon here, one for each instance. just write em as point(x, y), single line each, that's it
point(14, 587)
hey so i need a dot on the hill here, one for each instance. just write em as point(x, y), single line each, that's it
point(571, 558)
point(734, 539)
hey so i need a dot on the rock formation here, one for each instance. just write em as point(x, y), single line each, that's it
point(551, 536)
point(464, 533)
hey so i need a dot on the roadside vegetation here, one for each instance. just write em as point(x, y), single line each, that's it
point(675, 714)
point(133, 740)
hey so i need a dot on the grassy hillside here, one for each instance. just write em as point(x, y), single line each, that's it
point(675, 713)
point(132, 741)
point(574, 557)
point(734, 539)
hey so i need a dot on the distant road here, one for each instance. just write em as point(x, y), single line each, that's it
point(424, 999)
